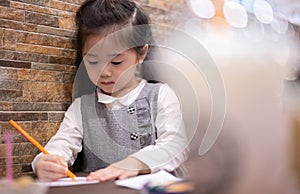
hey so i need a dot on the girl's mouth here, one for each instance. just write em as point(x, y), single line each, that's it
point(107, 83)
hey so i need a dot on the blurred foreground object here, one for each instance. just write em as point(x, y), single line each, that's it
point(22, 185)
point(253, 152)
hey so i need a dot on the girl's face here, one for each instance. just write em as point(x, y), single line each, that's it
point(113, 72)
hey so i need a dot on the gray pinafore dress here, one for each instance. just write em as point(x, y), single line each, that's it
point(112, 135)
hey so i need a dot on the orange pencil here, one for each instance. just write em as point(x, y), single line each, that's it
point(35, 143)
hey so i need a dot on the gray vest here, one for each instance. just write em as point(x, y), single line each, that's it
point(112, 135)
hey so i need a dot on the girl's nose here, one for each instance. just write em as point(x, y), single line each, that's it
point(106, 71)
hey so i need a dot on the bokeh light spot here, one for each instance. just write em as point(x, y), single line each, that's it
point(235, 14)
point(202, 8)
point(263, 11)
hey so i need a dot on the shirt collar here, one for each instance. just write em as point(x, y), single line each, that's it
point(125, 100)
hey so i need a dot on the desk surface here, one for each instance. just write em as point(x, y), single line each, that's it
point(99, 188)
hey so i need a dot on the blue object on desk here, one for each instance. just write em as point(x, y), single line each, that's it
point(181, 187)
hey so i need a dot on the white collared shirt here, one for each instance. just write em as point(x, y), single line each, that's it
point(127, 99)
point(170, 150)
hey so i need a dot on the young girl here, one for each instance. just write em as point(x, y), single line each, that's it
point(127, 126)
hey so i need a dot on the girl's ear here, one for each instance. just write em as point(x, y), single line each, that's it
point(143, 54)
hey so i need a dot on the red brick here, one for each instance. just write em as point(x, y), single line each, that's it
point(41, 19)
point(9, 40)
point(38, 49)
point(5, 3)
point(56, 31)
point(19, 56)
point(53, 67)
point(78, 2)
point(5, 106)
point(8, 74)
point(12, 14)
point(24, 116)
point(10, 95)
point(35, 106)
point(38, 75)
point(17, 25)
point(43, 131)
point(18, 64)
point(46, 40)
point(60, 5)
point(44, 3)
point(62, 60)
point(67, 21)
point(31, 7)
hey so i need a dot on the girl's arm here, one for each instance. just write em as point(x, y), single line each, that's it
point(66, 143)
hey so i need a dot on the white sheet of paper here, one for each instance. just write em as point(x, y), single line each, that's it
point(139, 181)
point(69, 182)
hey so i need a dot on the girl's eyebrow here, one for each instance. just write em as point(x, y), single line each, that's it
point(115, 55)
point(90, 55)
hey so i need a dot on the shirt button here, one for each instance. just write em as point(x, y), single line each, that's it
point(133, 136)
point(131, 110)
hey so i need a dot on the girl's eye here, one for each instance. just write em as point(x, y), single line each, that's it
point(93, 62)
point(116, 63)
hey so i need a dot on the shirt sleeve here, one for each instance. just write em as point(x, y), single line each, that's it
point(67, 142)
point(171, 146)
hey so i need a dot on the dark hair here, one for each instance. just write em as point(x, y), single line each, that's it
point(98, 16)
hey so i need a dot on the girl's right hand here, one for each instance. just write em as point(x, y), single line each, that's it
point(51, 167)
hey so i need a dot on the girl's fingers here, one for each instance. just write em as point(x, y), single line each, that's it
point(111, 173)
point(99, 174)
point(51, 167)
point(49, 176)
point(62, 162)
point(55, 159)
point(127, 174)
point(103, 175)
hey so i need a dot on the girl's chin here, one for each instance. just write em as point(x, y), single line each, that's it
point(107, 92)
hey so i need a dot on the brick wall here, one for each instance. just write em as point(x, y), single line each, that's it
point(37, 67)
